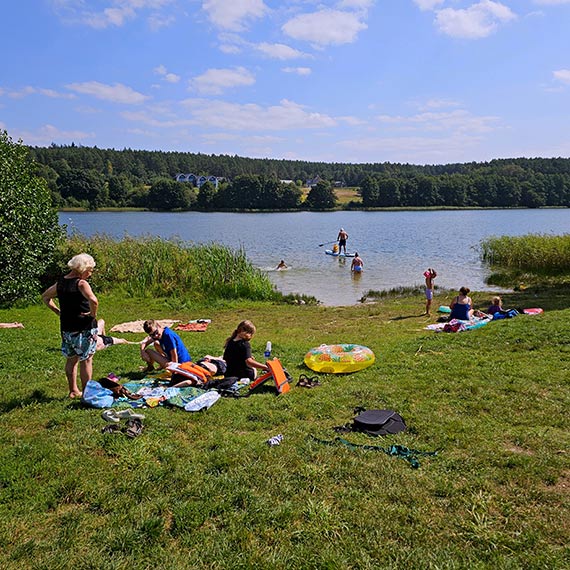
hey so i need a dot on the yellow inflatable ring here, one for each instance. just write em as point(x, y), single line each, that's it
point(339, 358)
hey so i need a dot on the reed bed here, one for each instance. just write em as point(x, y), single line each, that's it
point(539, 253)
point(151, 266)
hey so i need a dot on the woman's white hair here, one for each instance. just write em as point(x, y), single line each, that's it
point(81, 262)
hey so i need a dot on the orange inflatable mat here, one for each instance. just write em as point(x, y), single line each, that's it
point(275, 373)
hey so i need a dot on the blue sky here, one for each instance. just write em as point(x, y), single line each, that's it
point(416, 81)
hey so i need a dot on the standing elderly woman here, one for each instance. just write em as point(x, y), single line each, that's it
point(77, 313)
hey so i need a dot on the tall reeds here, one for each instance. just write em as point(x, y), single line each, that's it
point(151, 266)
point(538, 253)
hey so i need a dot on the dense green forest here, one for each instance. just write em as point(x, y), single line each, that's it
point(93, 178)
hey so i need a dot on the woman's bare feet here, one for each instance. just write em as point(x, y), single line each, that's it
point(75, 394)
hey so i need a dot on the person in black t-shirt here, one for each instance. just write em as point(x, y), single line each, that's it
point(237, 354)
point(77, 313)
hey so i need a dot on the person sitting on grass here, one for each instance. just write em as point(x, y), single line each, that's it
point(462, 306)
point(496, 307)
point(168, 346)
point(237, 353)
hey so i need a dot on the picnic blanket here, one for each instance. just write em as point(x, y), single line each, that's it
point(456, 325)
point(154, 393)
point(137, 326)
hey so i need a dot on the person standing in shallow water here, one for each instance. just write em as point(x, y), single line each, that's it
point(357, 264)
point(342, 237)
point(77, 313)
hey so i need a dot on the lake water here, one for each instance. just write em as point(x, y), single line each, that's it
point(396, 247)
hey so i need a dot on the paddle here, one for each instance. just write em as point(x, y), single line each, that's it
point(327, 243)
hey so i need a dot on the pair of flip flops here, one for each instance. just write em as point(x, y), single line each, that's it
point(133, 428)
point(306, 382)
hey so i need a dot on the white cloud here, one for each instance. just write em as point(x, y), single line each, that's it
point(279, 51)
point(415, 150)
point(234, 14)
point(116, 13)
point(29, 90)
point(456, 121)
point(562, 75)
point(250, 117)
point(297, 70)
point(214, 81)
point(358, 4)
point(438, 104)
point(117, 93)
point(326, 27)
point(159, 21)
point(428, 4)
point(478, 21)
point(166, 75)
point(48, 134)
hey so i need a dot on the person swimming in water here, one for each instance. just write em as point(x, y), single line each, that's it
point(281, 265)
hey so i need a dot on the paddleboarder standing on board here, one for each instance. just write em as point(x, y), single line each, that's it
point(342, 237)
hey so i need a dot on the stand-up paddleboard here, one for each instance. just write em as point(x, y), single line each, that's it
point(337, 254)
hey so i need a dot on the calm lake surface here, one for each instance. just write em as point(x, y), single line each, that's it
point(396, 247)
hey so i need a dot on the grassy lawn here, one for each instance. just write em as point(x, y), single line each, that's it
point(206, 491)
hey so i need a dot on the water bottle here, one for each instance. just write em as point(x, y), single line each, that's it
point(267, 352)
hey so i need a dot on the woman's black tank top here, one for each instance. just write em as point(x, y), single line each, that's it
point(71, 304)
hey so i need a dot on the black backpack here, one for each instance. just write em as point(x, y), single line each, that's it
point(375, 422)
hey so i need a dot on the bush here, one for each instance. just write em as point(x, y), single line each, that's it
point(29, 228)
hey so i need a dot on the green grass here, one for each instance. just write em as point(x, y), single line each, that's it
point(205, 491)
point(154, 267)
point(532, 259)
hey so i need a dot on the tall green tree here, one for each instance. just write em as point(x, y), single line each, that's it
point(29, 228)
point(167, 194)
point(321, 196)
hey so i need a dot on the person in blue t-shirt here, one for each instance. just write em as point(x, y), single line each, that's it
point(168, 346)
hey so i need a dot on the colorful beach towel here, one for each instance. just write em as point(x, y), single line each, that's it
point(199, 325)
point(455, 325)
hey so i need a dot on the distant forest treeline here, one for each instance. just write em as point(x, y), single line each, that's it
point(93, 178)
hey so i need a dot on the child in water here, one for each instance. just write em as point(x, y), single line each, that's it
point(237, 353)
point(430, 275)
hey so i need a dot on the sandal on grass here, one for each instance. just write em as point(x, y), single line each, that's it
point(134, 428)
point(314, 381)
point(304, 381)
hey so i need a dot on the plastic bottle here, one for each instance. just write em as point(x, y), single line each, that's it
point(267, 352)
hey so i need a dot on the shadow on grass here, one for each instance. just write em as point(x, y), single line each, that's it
point(36, 397)
point(404, 317)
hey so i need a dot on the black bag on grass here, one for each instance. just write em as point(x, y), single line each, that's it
point(379, 422)
point(375, 422)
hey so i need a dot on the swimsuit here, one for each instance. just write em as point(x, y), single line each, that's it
point(460, 311)
point(429, 294)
